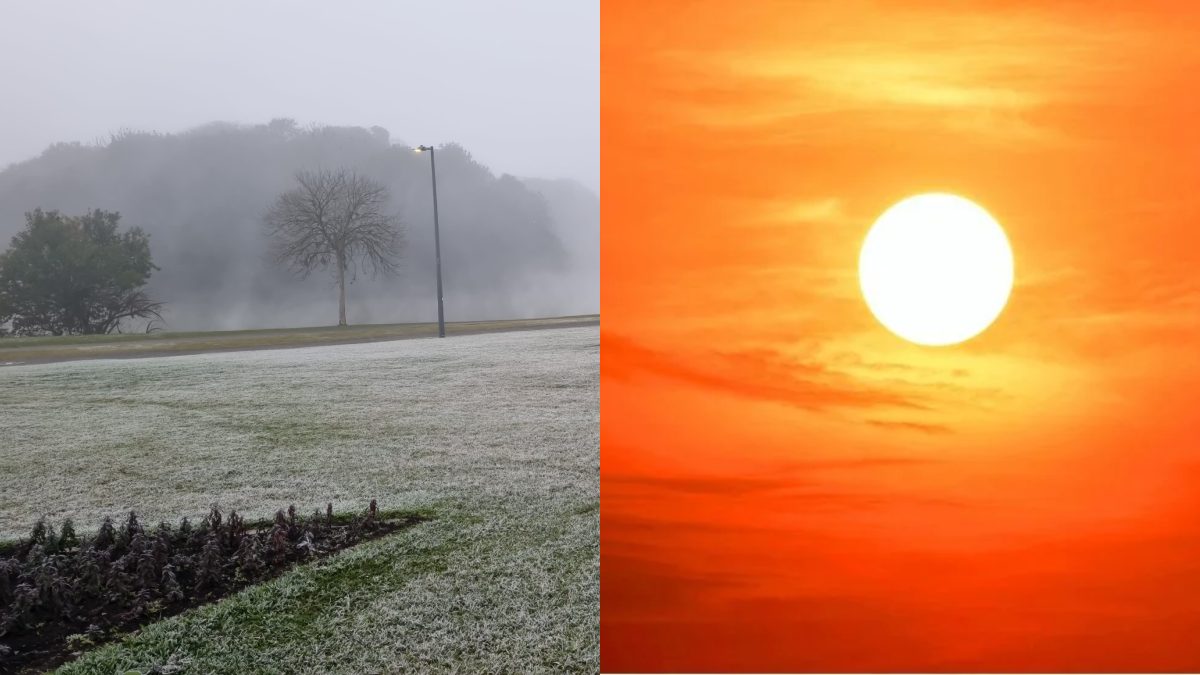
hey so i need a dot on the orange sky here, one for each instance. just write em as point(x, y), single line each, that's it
point(786, 485)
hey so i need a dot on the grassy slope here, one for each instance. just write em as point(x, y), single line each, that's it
point(62, 348)
point(497, 434)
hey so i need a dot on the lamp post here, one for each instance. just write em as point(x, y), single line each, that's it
point(437, 241)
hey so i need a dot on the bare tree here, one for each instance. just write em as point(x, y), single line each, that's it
point(335, 217)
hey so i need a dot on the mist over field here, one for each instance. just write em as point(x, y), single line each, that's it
point(176, 116)
point(511, 248)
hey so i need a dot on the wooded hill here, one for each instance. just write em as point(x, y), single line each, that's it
point(511, 247)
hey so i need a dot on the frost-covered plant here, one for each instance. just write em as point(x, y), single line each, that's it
point(208, 566)
point(118, 585)
point(127, 533)
point(235, 530)
point(91, 566)
point(214, 519)
point(128, 573)
point(305, 546)
point(55, 592)
point(38, 536)
point(277, 544)
point(105, 536)
point(67, 539)
point(147, 569)
point(249, 558)
point(10, 570)
point(169, 585)
point(160, 548)
point(50, 540)
point(25, 600)
point(185, 531)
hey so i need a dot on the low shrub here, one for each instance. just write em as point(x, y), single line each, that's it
point(60, 591)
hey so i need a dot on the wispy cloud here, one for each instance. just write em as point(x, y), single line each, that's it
point(903, 425)
point(978, 71)
point(761, 374)
point(821, 211)
point(726, 486)
point(1113, 308)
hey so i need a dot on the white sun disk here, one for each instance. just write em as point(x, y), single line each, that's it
point(936, 269)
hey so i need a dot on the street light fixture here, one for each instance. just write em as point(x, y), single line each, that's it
point(437, 242)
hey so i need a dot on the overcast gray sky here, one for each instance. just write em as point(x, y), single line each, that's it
point(517, 83)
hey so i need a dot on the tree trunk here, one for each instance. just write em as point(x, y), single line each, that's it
point(341, 274)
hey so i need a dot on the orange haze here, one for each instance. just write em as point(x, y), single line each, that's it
point(786, 485)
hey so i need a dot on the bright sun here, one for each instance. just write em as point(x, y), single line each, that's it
point(936, 269)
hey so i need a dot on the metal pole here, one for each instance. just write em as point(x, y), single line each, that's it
point(437, 247)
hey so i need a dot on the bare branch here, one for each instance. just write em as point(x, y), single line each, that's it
point(338, 218)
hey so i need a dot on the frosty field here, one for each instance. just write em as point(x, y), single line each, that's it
point(495, 435)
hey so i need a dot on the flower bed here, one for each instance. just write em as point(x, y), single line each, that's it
point(61, 594)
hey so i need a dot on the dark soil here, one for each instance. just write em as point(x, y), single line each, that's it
point(60, 596)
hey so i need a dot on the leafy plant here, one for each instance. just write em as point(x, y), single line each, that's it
point(119, 576)
point(67, 539)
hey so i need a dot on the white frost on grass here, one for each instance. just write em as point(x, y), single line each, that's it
point(498, 433)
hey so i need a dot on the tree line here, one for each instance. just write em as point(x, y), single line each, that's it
point(79, 275)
